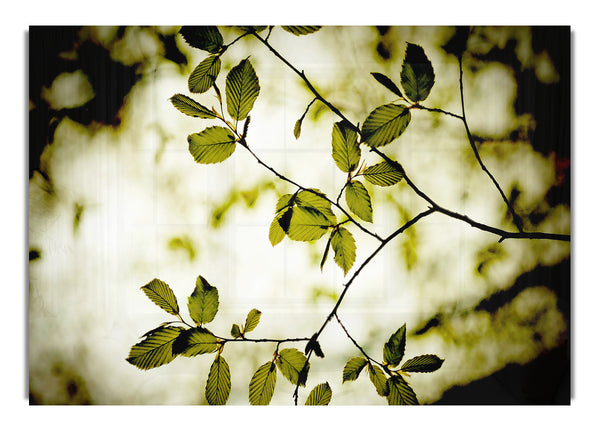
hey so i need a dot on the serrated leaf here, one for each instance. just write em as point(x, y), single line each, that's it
point(422, 364)
point(320, 395)
point(387, 83)
point(345, 149)
point(212, 145)
point(384, 174)
point(384, 124)
point(417, 75)
point(189, 106)
point(291, 362)
point(218, 384)
point(378, 379)
point(252, 319)
point(161, 294)
point(300, 30)
point(400, 393)
point(235, 331)
point(262, 385)
point(241, 90)
point(298, 128)
point(307, 224)
point(393, 350)
point(205, 74)
point(353, 368)
point(195, 341)
point(203, 304)
point(156, 349)
point(359, 201)
point(279, 226)
point(344, 247)
point(315, 199)
point(207, 38)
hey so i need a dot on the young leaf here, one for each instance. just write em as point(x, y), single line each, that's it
point(393, 350)
point(387, 83)
point(345, 148)
point(359, 201)
point(417, 75)
point(262, 385)
point(378, 379)
point(314, 345)
point(252, 320)
point(319, 396)
point(212, 145)
point(422, 364)
point(325, 253)
point(307, 224)
point(235, 331)
point(400, 393)
point(207, 38)
point(298, 128)
point(301, 30)
point(317, 201)
point(344, 247)
point(279, 226)
point(384, 124)
point(291, 362)
point(205, 74)
point(161, 294)
point(195, 341)
point(203, 304)
point(384, 174)
point(353, 368)
point(190, 107)
point(156, 349)
point(218, 385)
point(241, 90)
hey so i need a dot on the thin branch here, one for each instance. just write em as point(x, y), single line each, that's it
point(370, 359)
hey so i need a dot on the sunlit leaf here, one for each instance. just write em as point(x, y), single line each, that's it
point(212, 145)
point(156, 349)
point(241, 90)
point(393, 350)
point(161, 294)
point(344, 247)
point(252, 320)
point(291, 362)
point(195, 341)
point(320, 395)
point(307, 224)
point(284, 201)
point(422, 364)
point(279, 226)
point(353, 368)
point(359, 201)
point(384, 124)
point(384, 174)
point(417, 75)
point(262, 385)
point(203, 304)
point(235, 331)
point(207, 38)
point(387, 83)
point(317, 200)
point(301, 30)
point(378, 379)
point(400, 393)
point(345, 148)
point(218, 385)
point(204, 75)
point(298, 128)
point(190, 107)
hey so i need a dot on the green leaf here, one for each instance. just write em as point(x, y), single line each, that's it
point(325, 253)
point(359, 201)
point(205, 74)
point(345, 148)
point(400, 393)
point(344, 247)
point(301, 30)
point(378, 379)
point(422, 364)
point(393, 350)
point(319, 396)
point(241, 90)
point(235, 331)
point(203, 304)
point(316, 199)
point(156, 349)
point(190, 107)
point(212, 145)
point(384, 174)
point(384, 124)
point(161, 294)
point(207, 38)
point(285, 201)
point(307, 224)
point(291, 362)
point(252, 320)
point(262, 385)
point(417, 75)
point(387, 83)
point(195, 341)
point(279, 226)
point(218, 385)
point(298, 128)
point(353, 368)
